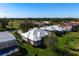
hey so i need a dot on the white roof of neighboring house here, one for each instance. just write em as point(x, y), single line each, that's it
point(56, 27)
point(6, 36)
point(52, 28)
point(46, 22)
point(35, 34)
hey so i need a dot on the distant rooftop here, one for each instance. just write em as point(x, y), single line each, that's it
point(6, 36)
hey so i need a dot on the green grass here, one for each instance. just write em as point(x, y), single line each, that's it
point(74, 36)
point(41, 52)
point(32, 51)
point(16, 24)
point(71, 39)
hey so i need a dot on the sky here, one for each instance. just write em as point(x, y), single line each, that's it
point(21, 10)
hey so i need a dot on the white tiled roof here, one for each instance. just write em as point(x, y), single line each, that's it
point(6, 36)
point(35, 34)
point(56, 27)
point(52, 28)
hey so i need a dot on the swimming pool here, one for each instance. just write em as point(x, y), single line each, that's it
point(8, 50)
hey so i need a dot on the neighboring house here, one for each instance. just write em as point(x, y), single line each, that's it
point(41, 23)
point(8, 43)
point(47, 28)
point(67, 26)
point(46, 23)
point(34, 36)
point(52, 28)
point(74, 23)
point(59, 28)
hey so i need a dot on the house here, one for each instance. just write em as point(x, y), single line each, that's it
point(39, 23)
point(46, 23)
point(74, 23)
point(52, 28)
point(34, 36)
point(47, 28)
point(8, 43)
point(67, 26)
point(58, 29)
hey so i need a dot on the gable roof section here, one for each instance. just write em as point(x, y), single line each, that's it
point(35, 34)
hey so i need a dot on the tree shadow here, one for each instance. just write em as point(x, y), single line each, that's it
point(22, 52)
point(10, 29)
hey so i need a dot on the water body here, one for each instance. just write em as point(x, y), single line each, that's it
point(7, 51)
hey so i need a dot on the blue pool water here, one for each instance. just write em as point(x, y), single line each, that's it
point(6, 50)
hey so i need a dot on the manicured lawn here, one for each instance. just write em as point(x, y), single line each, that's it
point(40, 52)
point(67, 41)
point(32, 51)
point(74, 37)
point(71, 40)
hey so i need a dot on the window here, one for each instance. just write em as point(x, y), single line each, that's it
point(36, 42)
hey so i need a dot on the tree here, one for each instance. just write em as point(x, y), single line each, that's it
point(4, 22)
point(25, 26)
point(10, 23)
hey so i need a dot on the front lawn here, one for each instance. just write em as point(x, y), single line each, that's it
point(65, 43)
